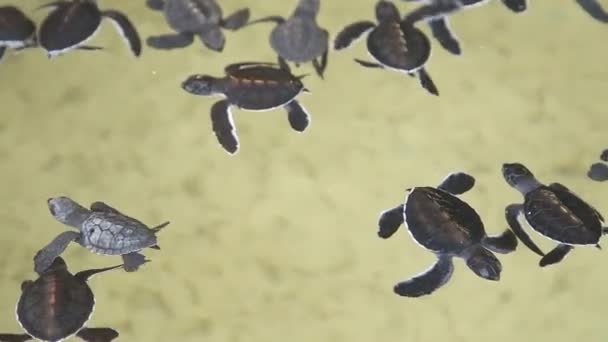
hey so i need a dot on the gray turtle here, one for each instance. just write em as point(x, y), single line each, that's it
point(299, 39)
point(447, 226)
point(102, 230)
point(599, 171)
point(554, 212)
point(188, 18)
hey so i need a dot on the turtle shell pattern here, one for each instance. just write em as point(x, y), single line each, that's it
point(399, 46)
point(189, 15)
point(55, 306)
point(562, 216)
point(14, 26)
point(69, 25)
point(441, 221)
point(113, 234)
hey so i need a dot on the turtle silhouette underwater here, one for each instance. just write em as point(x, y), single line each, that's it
point(447, 226)
point(299, 39)
point(17, 31)
point(102, 230)
point(553, 211)
point(599, 171)
point(72, 23)
point(251, 86)
point(189, 18)
point(436, 12)
point(393, 43)
point(58, 305)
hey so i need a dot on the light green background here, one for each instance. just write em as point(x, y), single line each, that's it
point(279, 243)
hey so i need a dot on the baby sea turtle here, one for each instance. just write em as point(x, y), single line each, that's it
point(599, 171)
point(393, 43)
point(435, 13)
point(72, 23)
point(447, 226)
point(195, 17)
point(553, 211)
point(252, 86)
point(16, 30)
point(102, 230)
point(57, 306)
point(299, 39)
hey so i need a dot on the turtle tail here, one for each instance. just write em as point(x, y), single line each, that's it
point(160, 226)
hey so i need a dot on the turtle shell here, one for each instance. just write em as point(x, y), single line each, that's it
point(261, 87)
point(299, 40)
point(15, 27)
point(114, 234)
point(55, 306)
point(191, 15)
point(69, 25)
point(440, 221)
point(562, 216)
point(399, 46)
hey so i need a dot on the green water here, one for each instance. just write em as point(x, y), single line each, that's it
point(279, 242)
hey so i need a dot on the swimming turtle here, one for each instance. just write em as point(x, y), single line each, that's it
point(393, 43)
point(436, 12)
point(195, 17)
point(17, 31)
point(599, 171)
point(299, 39)
point(553, 211)
point(102, 230)
point(57, 306)
point(447, 226)
point(252, 86)
point(72, 23)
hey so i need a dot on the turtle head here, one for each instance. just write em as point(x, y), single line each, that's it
point(516, 6)
point(484, 263)
point(519, 177)
point(387, 11)
point(308, 8)
point(67, 211)
point(203, 85)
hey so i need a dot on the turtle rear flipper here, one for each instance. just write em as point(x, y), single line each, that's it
point(15, 337)
point(516, 6)
point(556, 255)
point(427, 282)
point(390, 220)
point(457, 183)
point(320, 64)
point(2, 52)
point(125, 29)
point(427, 82)
point(223, 126)
point(132, 261)
point(503, 243)
point(511, 213)
point(156, 5)
point(298, 118)
point(236, 20)
point(598, 172)
point(170, 41)
point(446, 38)
point(97, 334)
point(45, 257)
point(351, 33)
point(213, 38)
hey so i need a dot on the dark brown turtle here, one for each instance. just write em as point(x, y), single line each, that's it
point(599, 171)
point(17, 31)
point(57, 306)
point(442, 223)
point(299, 39)
point(251, 86)
point(393, 43)
point(553, 211)
point(72, 23)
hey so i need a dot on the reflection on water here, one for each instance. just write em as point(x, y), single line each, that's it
point(279, 242)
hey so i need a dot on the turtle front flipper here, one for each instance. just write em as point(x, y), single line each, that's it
point(170, 41)
point(223, 126)
point(45, 257)
point(512, 211)
point(556, 255)
point(429, 281)
point(503, 243)
point(236, 20)
point(352, 32)
point(433, 10)
point(88, 274)
point(389, 221)
point(132, 261)
point(427, 83)
point(126, 29)
point(156, 5)
point(298, 118)
point(213, 38)
point(320, 64)
point(15, 337)
point(368, 64)
point(53, 4)
point(441, 31)
point(598, 172)
point(516, 6)
point(457, 183)
point(272, 19)
point(97, 334)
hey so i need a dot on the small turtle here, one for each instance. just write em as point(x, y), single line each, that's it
point(436, 13)
point(599, 171)
point(72, 23)
point(252, 86)
point(393, 43)
point(299, 39)
point(553, 211)
point(447, 226)
point(195, 17)
point(17, 31)
point(57, 306)
point(102, 230)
